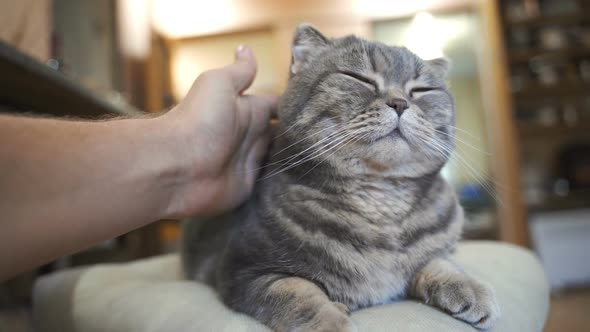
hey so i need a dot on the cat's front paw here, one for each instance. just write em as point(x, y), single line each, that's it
point(332, 317)
point(468, 300)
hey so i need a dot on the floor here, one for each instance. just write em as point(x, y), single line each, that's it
point(569, 312)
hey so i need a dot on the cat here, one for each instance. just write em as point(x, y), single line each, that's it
point(351, 210)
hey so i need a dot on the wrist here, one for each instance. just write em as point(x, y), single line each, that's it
point(184, 174)
point(169, 156)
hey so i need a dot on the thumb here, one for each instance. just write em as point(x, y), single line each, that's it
point(243, 70)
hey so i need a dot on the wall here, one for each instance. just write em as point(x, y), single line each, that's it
point(26, 24)
point(190, 57)
point(86, 33)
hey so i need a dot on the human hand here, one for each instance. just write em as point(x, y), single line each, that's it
point(222, 135)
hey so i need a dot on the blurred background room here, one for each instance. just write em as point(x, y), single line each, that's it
point(520, 76)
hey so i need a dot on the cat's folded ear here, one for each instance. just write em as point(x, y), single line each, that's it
point(440, 66)
point(307, 43)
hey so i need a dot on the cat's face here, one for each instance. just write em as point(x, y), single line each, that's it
point(367, 107)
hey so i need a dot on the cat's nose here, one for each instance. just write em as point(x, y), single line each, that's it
point(399, 105)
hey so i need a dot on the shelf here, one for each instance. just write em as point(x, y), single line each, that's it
point(27, 85)
point(562, 19)
point(578, 199)
point(525, 54)
point(562, 89)
point(538, 131)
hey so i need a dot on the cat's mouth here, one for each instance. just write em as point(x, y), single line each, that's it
point(394, 134)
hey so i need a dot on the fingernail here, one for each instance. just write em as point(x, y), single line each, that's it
point(240, 51)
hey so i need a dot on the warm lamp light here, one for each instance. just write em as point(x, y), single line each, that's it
point(182, 18)
point(424, 37)
point(133, 20)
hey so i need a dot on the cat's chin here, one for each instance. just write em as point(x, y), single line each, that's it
point(390, 149)
point(393, 134)
point(396, 140)
point(396, 135)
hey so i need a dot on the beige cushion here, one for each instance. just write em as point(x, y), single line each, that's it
point(149, 295)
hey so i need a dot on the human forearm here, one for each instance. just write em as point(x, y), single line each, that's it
point(65, 185)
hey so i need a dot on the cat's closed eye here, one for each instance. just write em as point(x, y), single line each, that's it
point(418, 91)
point(367, 81)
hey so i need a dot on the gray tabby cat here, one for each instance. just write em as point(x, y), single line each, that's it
point(351, 210)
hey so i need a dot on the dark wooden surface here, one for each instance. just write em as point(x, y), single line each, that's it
point(27, 85)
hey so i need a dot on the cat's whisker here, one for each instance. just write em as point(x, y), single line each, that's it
point(469, 161)
point(460, 130)
point(295, 123)
point(330, 136)
point(351, 140)
point(352, 135)
point(443, 150)
point(307, 137)
point(294, 156)
point(287, 130)
point(446, 151)
point(458, 155)
point(287, 160)
point(462, 142)
point(333, 136)
point(334, 142)
point(325, 148)
point(321, 141)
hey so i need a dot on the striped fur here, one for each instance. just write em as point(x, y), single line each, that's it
point(329, 231)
